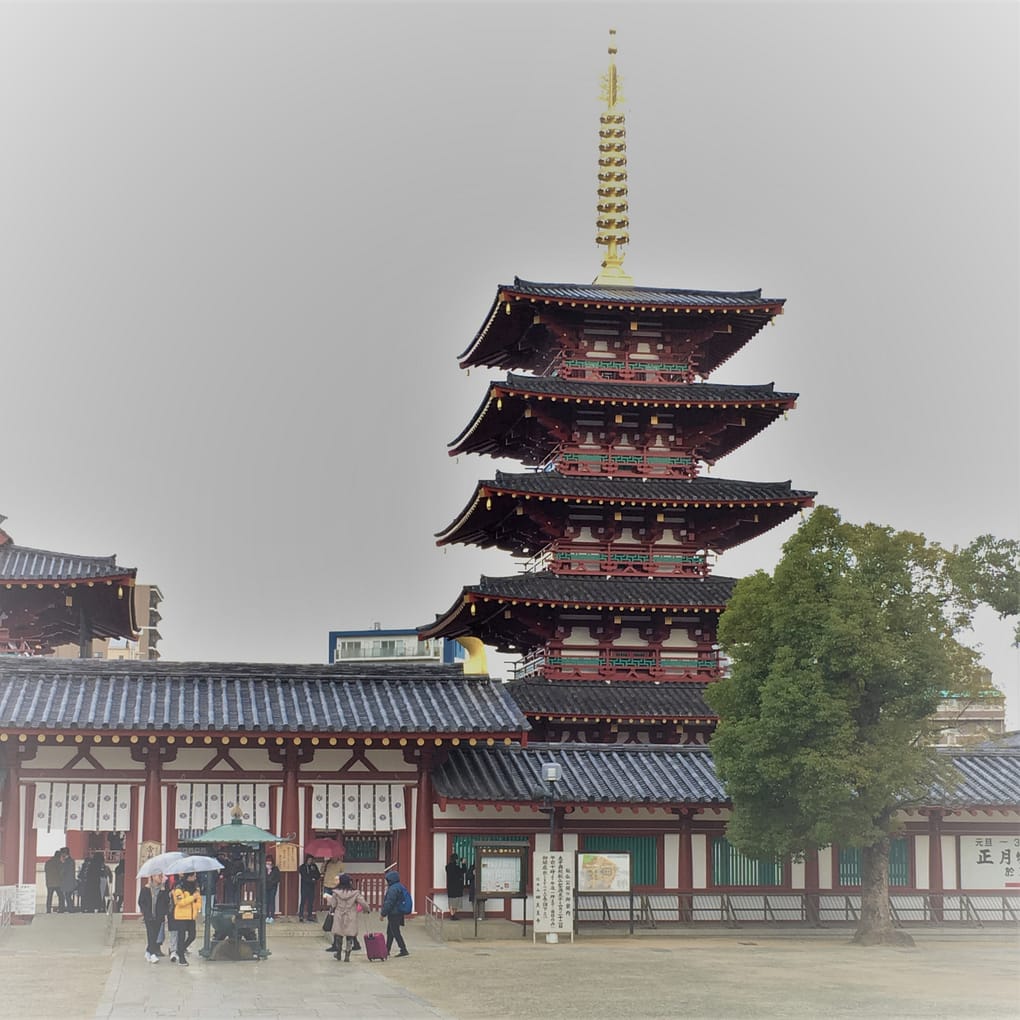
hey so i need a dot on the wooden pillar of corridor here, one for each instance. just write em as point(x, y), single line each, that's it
point(424, 831)
point(935, 887)
point(685, 863)
point(291, 757)
point(10, 823)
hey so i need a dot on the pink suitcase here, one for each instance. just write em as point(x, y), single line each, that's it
point(375, 945)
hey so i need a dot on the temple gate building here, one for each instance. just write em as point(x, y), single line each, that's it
point(613, 618)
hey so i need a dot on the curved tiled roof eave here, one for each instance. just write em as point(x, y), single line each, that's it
point(631, 296)
point(181, 698)
point(662, 393)
point(25, 564)
point(603, 775)
point(623, 298)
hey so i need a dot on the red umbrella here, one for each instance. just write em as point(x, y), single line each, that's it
point(325, 846)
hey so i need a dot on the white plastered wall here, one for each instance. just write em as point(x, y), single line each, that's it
point(949, 862)
point(797, 871)
point(671, 860)
point(921, 877)
point(825, 868)
point(699, 860)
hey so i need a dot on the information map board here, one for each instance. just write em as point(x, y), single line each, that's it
point(500, 871)
point(603, 872)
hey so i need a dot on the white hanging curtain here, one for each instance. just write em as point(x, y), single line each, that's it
point(206, 805)
point(91, 807)
point(358, 807)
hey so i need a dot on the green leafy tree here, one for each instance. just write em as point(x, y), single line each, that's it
point(988, 571)
point(838, 662)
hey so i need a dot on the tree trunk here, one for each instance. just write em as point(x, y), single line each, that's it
point(876, 924)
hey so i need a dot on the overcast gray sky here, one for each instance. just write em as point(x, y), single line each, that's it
point(242, 245)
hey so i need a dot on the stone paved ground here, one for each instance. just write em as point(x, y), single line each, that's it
point(70, 967)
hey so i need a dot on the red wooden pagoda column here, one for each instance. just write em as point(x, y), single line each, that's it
point(685, 862)
point(10, 825)
point(935, 888)
point(423, 834)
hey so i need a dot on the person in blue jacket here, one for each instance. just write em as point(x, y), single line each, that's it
point(393, 911)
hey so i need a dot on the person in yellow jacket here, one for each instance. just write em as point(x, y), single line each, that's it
point(187, 905)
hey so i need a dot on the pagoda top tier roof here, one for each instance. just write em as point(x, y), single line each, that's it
point(501, 341)
point(644, 298)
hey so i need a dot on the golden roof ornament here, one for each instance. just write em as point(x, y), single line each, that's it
point(612, 222)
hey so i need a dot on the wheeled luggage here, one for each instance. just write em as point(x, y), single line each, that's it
point(375, 945)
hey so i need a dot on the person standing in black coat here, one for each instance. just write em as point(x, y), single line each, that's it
point(68, 880)
point(272, 884)
point(93, 871)
point(455, 885)
point(309, 876)
point(54, 875)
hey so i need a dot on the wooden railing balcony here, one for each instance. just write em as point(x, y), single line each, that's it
point(638, 463)
point(624, 370)
point(611, 559)
point(622, 664)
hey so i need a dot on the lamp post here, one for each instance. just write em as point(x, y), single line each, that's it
point(551, 773)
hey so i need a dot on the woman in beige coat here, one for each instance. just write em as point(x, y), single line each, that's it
point(344, 902)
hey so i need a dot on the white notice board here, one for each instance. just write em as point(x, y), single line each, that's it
point(990, 862)
point(554, 893)
point(24, 899)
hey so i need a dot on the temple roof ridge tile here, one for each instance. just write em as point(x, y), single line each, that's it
point(627, 294)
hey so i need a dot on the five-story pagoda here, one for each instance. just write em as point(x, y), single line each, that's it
point(615, 613)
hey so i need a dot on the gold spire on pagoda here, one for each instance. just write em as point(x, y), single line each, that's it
point(612, 222)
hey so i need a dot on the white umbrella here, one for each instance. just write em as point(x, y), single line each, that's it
point(156, 865)
point(196, 862)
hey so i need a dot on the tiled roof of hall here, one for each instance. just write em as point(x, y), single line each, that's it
point(667, 490)
point(990, 777)
point(21, 564)
point(591, 774)
point(619, 699)
point(658, 393)
point(614, 774)
point(96, 695)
